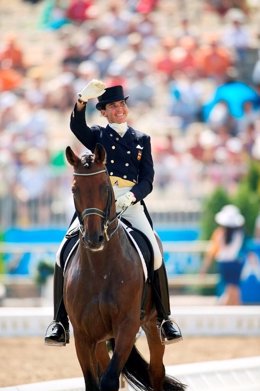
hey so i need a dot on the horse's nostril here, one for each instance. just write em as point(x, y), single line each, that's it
point(95, 241)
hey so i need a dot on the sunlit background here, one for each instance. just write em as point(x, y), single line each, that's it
point(191, 69)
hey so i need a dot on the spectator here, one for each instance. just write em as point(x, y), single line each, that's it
point(116, 75)
point(162, 59)
point(10, 79)
point(220, 118)
point(104, 54)
point(32, 183)
point(34, 87)
point(79, 11)
point(223, 6)
point(141, 88)
point(213, 60)
point(184, 99)
point(146, 6)
point(71, 57)
point(145, 25)
point(53, 15)
point(226, 246)
point(185, 30)
point(116, 21)
point(256, 71)
point(61, 92)
point(8, 114)
point(248, 138)
point(133, 55)
point(250, 115)
point(184, 56)
point(236, 35)
point(12, 55)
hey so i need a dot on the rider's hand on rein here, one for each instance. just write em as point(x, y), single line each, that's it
point(125, 200)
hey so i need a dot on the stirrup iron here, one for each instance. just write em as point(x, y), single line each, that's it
point(64, 330)
point(165, 341)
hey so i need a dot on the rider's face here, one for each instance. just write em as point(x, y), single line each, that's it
point(116, 112)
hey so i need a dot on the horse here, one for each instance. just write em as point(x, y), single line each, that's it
point(103, 290)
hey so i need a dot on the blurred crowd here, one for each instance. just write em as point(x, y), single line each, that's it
point(191, 70)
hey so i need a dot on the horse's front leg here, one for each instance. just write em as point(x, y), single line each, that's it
point(102, 357)
point(124, 341)
point(88, 362)
point(156, 348)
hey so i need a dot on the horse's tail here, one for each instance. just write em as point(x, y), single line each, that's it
point(136, 372)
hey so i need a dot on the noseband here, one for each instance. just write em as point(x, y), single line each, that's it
point(98, 212)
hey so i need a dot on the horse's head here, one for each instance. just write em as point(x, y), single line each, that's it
point(93, 196)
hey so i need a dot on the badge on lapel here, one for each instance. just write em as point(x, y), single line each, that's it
point(139, 152)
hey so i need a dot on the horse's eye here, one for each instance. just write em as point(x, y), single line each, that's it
point(74, 190)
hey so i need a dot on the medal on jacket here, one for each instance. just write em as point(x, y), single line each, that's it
point(139, 153)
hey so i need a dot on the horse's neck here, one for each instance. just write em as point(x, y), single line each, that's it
point(102, 260)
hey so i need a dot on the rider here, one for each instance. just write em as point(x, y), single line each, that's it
point(130, 166)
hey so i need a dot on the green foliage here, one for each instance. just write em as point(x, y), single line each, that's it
point(246, 198)
point(210, 207)
point(44, 270)
point(248, 203)
point(252, 179)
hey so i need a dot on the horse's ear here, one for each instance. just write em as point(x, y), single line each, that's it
point(100, 154)
point(72, 158)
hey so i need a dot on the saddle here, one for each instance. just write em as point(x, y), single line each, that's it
point(143, 246)
point(138, 240)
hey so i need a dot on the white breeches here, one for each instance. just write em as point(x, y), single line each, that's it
point(136, 216)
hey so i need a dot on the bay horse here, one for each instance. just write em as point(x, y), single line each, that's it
point(103, 288)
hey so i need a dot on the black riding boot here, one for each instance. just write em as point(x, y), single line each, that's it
point(58, 331)
point(169, 332)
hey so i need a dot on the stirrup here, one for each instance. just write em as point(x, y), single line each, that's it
point(64, 330)
point(165, 341)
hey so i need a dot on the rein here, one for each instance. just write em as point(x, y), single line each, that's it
point(99, 212)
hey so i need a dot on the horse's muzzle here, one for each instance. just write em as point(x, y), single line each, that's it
point(95, 243)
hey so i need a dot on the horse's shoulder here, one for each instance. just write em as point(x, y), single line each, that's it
point(138, 134)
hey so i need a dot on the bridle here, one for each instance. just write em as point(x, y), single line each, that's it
point(98, 212)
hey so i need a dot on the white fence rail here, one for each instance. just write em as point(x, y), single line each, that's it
point(193, 321)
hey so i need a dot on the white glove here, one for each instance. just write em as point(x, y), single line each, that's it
point(125, 200)
point(92, 90)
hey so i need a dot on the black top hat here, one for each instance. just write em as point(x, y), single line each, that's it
point(112, 94)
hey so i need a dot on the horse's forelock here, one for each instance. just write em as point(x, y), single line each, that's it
point(87, 159)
